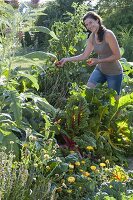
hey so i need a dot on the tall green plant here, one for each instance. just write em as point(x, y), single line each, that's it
point(13, 24)
point(72, 40)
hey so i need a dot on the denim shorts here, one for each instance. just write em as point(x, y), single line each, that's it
point(113, 81)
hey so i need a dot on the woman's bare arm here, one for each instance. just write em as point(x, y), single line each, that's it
point(89, 48)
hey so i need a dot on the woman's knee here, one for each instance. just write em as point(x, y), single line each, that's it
point(91, 85)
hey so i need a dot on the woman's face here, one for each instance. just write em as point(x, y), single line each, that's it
point(91, 25)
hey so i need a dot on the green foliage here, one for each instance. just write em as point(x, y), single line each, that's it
point(15, 103)
point(56, 82)
point(121, 11)
point(77, 114)
point(72, 31)
point(96, 127)
point(43, 30)
point(56, 12)
point(28, 178)
point(126, 41)
point(92, 119)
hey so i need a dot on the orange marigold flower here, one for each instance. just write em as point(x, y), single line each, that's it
point(86, 173)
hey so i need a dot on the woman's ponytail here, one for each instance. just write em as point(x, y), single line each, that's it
point(101, 32)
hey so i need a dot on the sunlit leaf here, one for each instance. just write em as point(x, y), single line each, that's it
point(31, 78)
point(43, 30)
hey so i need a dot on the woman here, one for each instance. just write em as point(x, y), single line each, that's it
point(104, 43)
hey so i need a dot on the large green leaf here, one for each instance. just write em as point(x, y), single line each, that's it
point(16, 107)
point(25, 62)
point(34, 58)
point(41, 103)
point(126, 100)
point(43, 30)
point(31, 78)
point(38, 55)
point(4, 116)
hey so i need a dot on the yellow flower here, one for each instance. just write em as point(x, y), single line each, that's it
point(107, 161)
point(71, 152)
point(86, 173)
point(83, 162)
point(25, 145)
point(70, 170)
point(46, 156)
point(102, 165)
point(89, 148)
point(69, 191)
point(81, 170)
point(93, 168)
point(47, 167)
point(35, 165)
point(77, 163)
point(71, 166)
point(71, 179)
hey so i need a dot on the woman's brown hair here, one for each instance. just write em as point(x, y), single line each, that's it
point(95, 16)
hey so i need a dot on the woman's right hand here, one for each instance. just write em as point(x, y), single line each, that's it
point(61, 62)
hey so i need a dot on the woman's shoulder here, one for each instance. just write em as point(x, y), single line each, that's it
point(109, 34)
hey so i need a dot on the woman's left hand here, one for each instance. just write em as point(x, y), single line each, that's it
point(93, 61)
